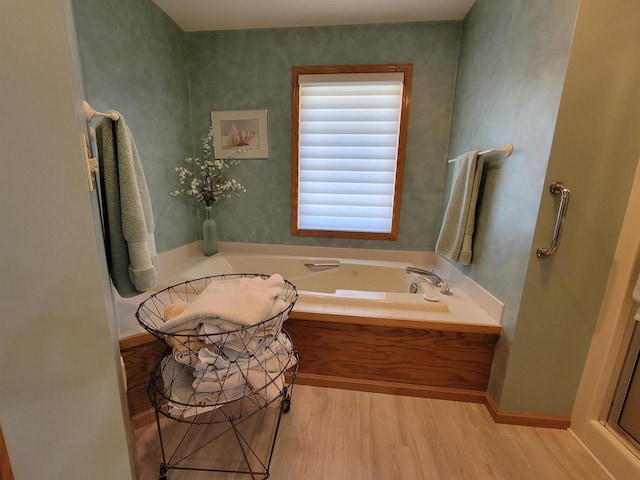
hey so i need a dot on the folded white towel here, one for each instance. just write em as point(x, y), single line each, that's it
point(184, 401)
point(211, 374)
point(268, 386)
point(265, 374)
point(246, 301)
point(230, 387)
point(208, 360)
point(186, 357)
point(276, 356)
point(213, 367)
point(279, 305)
point(235, 344)
point(249, 339)
point(215, 380)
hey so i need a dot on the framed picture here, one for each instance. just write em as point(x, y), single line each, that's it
point(240, 129)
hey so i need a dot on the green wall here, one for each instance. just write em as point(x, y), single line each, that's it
point(248, 69)
point(527, 78)
point(506, 64)
point(134, 60)
point(595, 151)
point(138, 61)
point(512, 65)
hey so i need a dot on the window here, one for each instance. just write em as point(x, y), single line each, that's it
point(349, 133)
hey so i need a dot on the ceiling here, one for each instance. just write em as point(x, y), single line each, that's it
point(197, 15)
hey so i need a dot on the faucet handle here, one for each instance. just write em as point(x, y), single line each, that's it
point(446, 289)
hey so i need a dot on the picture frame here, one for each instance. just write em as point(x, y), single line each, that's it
point(240, 129)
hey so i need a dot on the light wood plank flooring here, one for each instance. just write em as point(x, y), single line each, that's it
point(332, 434)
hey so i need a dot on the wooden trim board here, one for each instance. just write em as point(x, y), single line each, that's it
point(140, 353)
point(392, 388)
point(526, 419)
point(399, 323)
point(6, 473)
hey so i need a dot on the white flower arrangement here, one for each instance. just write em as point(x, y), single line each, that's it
point(207, 182)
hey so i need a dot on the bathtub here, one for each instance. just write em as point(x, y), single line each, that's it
point(367, 286)
point(334, 281)
point(356, 324)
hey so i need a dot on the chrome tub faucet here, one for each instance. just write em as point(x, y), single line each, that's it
point(433, 278)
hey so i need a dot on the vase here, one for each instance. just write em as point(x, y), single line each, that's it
point(209, 232)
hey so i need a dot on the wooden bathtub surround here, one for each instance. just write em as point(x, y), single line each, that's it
point(393, 356)
point(140, 353)
point(440, 360)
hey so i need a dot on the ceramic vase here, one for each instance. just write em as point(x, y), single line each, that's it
point(209, 232)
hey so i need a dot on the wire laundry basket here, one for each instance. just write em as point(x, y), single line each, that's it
point(219, 373)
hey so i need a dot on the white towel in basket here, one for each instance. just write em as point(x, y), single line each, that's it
point(246, 301)
point(215, 380)
point(188, 357)
point(208, 360)
point(184, 401)
point(244, 340)
point(268, 385)
point(278, 356)
point(261, 371)
point(266, 371)
point(222, 388)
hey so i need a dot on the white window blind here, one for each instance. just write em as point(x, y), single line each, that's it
point(348, 150)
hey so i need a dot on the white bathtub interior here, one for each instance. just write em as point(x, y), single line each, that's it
point(357, 287)
point(335, 281)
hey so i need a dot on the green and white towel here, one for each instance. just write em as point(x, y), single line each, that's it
point(128, 218)
point(455, 241)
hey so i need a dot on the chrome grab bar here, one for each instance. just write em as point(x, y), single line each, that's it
point(322, 265)
point(556, 187)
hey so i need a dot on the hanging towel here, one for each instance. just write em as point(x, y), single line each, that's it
point(456, 234)
point(129, 227)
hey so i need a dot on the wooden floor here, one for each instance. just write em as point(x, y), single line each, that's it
point(332, 434)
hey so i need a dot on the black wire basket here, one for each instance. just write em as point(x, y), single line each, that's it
point(220, 371)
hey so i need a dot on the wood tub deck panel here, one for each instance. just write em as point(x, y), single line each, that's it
point(393, 354)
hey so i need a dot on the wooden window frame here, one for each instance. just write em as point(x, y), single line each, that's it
point(407, 70)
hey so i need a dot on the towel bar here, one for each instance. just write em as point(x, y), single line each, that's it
point(507, 150)
point(89, 113)
point(556, 187)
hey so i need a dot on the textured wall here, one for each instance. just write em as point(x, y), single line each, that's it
point(248, 69)
point(60, 403)
point(512, 66)
point(513, 57)
point(595, 151)
point(134, 61)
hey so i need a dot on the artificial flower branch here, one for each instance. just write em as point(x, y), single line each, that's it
point(210, 184)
